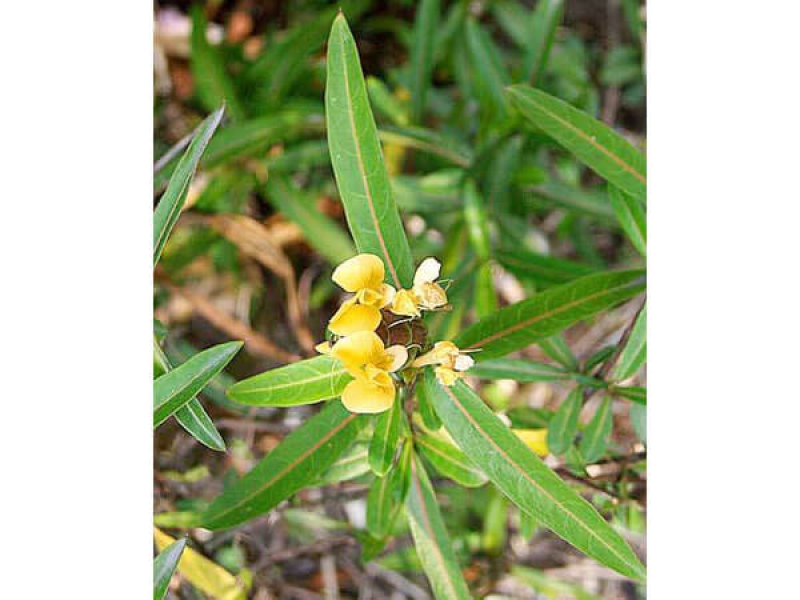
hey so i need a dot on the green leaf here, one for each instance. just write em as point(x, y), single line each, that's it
point(194, 419)
point(426, 410)
point(299, 459)
point(525, 479)
point(595, 435)
point(503, 168)
point(164, 566)
point(213, 84)
point(357, 160)
point(319, 230)
point(433, 545)
point(351, 464)
point(638, 414)
point(171, 203)
point(421, 55)
point(595, 144)
point(524, 371)
point(634, 394)
point(304, 382)
point(546, 270)
point(487, 69)
point(589, 202)
point(477, 221)
point(485, 294)
point(527, 525)
point(556, 347)
point(631, 215)
point(550, 587)
point(495, 523)
point(543, 24)
point(385, 440)
point(547, 313)
point(564, 424)
point(634, 354)
point(449, 461)
point(379, 507)
point(174, 389)
point(428, 141)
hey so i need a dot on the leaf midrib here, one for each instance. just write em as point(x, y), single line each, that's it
point(533, 482)
point(295, 383)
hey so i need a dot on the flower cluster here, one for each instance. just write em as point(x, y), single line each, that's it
point(362, 351)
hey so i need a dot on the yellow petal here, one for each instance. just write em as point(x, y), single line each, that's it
point(428, 271)
point(446, 375)
point(360, 272)
point(535, 439)
point(365, 396)
point(387, 295)
point(323, 347)
point(395, 357)
point(352, 318)
point(405, 304)
point(357, 350)
point(431, 295)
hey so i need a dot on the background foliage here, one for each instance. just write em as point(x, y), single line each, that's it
point(488, 114)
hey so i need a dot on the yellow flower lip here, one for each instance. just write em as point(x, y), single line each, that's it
point(363, 276)
point(365, 358)
point(449, 360)
point(535, 439)
point(426, 294)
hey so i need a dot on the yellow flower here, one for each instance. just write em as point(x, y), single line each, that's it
point(364, 357)
point(426, 293)
point(450, 360)
point(535, 439)
point(362, 275)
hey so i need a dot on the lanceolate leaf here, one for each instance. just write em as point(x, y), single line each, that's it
point(174, 389)
point(540, 268)
point(595, 436)
point(297, 461)
point(304, 382)
point(635, 352)
point(487, 68)
point(556, 347)
point(599, 147)
point(429, 141)
point(547, 313)
point(634, 394)
point(433, 545)
point(564, 424)
point(320, 231)
point(421, 59)
point(525, 479)
point(171, 203)
point(450, 461)
point(543, 23)
point(357, 160)
point(524, 371)
point(384, 441)
point(630, 214)
point(164, 566)
point(379, 506)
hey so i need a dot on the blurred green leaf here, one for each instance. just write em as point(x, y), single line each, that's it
point(303, 382)
point(634, 353)
point(421, 57)
point(592, 202)
point(525, 479)
point(487, 68)
point(550, 587)
point(631, 216)
point(298, 460)
point(518, 369)
point(556, 347)
point(426, 410)
point(358, 162)
point(564, 425)
point(595, 435)
point(592, 142)
point(319, 230)
point(477, 221)
point(353, 463)
point(434, 548)
point(171, 203)
point(213, 84)
point(542, 30)
point(164, 566)
point(638, 415)
point(174, 389)
point(634, 394)
point(383, 446)
point(385, 103)
point(545, 270)
point(515, 327)
point(449, 461)
point(429, 141)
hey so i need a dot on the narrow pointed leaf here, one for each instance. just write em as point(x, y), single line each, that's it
point(638, 414)
point(164, 566)
point(541, 269)
point(304, 382)
point(357, 160)
point(433, 545)
point(543, 24)
point(526, 480)
point(426, 409)
point(634, 354)
point(421, 55)
point(631, 215)
point(384, 442)
point(450, 461)
point(353, 463)
point(595, 435)
point(547, 313)
point(319, 230)
point(297, 461)
point(174, 389)
point(379, 507)
point(171, 203)
point(427, 140)
point(487, 69)
point(634, 394)
point(523, 371)
point(556, 347)
point(595, 144)
point(564, 425)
